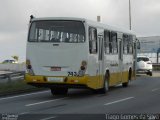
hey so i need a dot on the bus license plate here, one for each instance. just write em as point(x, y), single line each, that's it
point(55, 79)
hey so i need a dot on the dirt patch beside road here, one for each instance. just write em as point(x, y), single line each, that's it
point(156, 73)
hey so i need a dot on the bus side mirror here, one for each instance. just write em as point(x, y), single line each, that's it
point(138, 44)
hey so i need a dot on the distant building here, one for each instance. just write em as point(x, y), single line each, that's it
point(149, 47)
point(149, 44)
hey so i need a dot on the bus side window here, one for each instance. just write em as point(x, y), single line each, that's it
point(130, 44)
point(106, 42)
point(125, 43)
point(92, 40)
point(110, 45)
point(114, 43)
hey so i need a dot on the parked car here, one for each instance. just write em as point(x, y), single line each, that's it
point(9, 61)
point(144, 65)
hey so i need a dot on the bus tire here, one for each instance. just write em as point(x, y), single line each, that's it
point(129, 78)
point(59, 91)
point(105, 85)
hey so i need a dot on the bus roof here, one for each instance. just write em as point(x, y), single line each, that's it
point(90, 22)
point(108, 27)
point(58, 18)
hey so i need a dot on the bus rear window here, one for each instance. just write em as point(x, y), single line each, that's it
point(57, 31)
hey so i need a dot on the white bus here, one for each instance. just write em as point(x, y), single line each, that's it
point(65, 53)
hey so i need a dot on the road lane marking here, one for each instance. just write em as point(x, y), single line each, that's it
point(48, 118)
point(155, 89)
point(118, 101)
point(23, 95)
point(47, 101)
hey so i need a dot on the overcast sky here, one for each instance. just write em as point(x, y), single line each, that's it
point(14, 18)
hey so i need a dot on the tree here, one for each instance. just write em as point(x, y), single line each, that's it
point(16, 58)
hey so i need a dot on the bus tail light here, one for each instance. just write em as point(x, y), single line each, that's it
point(29, 67)
point(82, 68)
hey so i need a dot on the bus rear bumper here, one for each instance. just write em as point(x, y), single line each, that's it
point(60, 81)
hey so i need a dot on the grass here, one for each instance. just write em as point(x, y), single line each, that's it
point(156, 68)
point(16, 87)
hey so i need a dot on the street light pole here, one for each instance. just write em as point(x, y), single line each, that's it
point(130, 15)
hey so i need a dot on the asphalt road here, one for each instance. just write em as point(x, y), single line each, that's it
point(141, 96)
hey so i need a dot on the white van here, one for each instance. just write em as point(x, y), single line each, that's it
point(9, 61)
point(144, 65)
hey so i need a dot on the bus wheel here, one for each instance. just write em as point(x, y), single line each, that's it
point(129, 78)
point(59, 91)
point(106, 84)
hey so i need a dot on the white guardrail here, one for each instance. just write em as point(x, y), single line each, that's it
point(8, 77)
point(10, 72)
point(12, 67)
